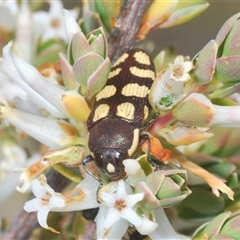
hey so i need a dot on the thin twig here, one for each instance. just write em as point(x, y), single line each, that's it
point(122, 37)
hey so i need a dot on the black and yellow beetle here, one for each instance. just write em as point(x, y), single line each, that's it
point(119, 113)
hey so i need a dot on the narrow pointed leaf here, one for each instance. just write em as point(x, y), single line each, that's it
point(112, 7)
point(225, 91)
point(183, 15)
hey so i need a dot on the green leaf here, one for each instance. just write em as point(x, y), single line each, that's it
point(231, 45)
point(98, 42)
point(79, 46)
point(183, 15)
point(225, 29)
point(227, 69)
point(98, 79)
point(199, 204)
point(205, 64)
point(112, 7)
point(232, 227)
point(223, 170)
point(48, 53)
point(67, 73)
point(225, 90)
point(84, 67)
point(195, 110)
point(104, 13)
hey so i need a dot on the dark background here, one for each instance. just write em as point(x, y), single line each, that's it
point(189, 38)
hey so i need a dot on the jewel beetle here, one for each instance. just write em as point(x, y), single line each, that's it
point(120, 112)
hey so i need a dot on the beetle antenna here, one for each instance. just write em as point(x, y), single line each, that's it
point(87, 160)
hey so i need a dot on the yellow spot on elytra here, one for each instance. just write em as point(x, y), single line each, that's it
point(142, 57)
point(100, 112)
point(126, 110)
point(133, 89)
point(121, 59)
point(145, 113)
point(143, 73)
point(114, 73)
point(106, 92)
point(135, 142)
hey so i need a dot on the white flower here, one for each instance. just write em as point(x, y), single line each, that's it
point(51, 24)
point(179, 69)
point(8, 11)
point(46, 199)
point(83, 196)
point(165, 93)
point(121, 207)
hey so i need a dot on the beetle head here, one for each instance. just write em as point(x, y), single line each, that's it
point(109, 161)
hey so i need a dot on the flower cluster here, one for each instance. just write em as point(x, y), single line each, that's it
point(51, 67)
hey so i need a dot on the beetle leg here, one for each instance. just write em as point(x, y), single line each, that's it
point(145, 137)
point(87, 160)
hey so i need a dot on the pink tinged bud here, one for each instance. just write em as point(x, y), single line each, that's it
point(185, 135)
point(74, 105)
point(195, 110)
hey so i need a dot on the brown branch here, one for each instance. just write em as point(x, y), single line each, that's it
point(24, 224)
point(122, 37)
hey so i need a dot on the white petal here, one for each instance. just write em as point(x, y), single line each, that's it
point(188, 66)
point(164, 229)
point(38, 189)
point(121, 191)
point(7, 67)
point(42, 218)
point(88, 187)
point(57, 200)
point(147, 227)
point(107, 199)
point(7, 18)
point(71, 26)
point(179, 60)
point(134, 171)
point(51, 92)
point(132, 199)
point(112, 217)
point(130, 215)
point(115, 232)
point(45, 130)
point(32, 205)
